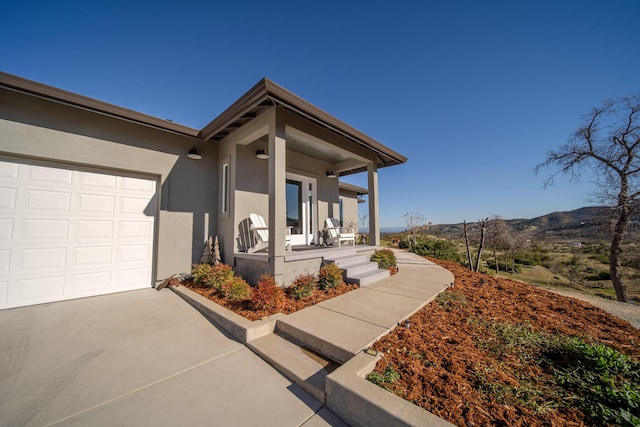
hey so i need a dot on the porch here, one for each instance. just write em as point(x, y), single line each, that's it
point(304, 259)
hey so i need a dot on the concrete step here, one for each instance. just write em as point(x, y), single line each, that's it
point(360, 269)
point(295, 332)
point(369, 277)
point(295, 361)
point(347, 260)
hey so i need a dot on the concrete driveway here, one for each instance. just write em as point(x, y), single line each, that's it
point(138, 358)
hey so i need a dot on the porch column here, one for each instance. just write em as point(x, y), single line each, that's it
point(374, 211)
point(277, 196)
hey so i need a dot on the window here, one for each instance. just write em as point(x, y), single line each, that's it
point(341, 213)
point(224, 200)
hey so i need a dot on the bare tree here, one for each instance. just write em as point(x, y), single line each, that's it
point(466, 242)
point(483, 227)
point(414, 221)
point(608, 142)
point(499, 234)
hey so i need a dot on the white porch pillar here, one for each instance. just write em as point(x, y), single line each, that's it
point(277, 195)
point(374, 211)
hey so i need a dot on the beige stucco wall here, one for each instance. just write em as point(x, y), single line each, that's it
point(349, 208)
point(41, 129)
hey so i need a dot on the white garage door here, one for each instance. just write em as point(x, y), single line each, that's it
point(67, 233)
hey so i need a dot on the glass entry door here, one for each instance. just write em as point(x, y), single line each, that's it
point(301, 209)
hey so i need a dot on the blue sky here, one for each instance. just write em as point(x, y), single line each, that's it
point(474, 93)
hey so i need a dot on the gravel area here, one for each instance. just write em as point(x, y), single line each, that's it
point(628, 312)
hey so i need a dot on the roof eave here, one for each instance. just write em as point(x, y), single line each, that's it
point(51, 93)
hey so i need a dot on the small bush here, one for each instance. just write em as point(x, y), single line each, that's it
point(236, 289)
point(302, 287)
point(440, 248)
point(221, 274)
point(385, 258)
point(330, 276)
point(385, 379)
point(201, 274)
point(267, 295)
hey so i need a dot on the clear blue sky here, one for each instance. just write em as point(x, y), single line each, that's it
point(474, 93)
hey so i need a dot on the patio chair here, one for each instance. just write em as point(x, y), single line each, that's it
point(334, 233)
point(261, 234)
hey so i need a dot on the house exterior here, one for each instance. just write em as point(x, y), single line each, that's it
point(96, 198)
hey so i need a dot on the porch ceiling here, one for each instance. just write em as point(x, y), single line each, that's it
point(267, 94)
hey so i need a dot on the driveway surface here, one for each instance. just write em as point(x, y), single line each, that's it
point(138, 358)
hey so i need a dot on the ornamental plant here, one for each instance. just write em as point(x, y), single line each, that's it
point(303, 286)
point(236, 289)
point(212, 276)
point(385, 258)
point(267, 295)
point(330, 276)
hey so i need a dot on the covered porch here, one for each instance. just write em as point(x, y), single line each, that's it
point(280, 158)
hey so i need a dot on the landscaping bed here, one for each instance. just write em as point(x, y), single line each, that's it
point(492, 351)
point(290, 305)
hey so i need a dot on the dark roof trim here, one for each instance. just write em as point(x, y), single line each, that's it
point(350, 187)
point(265, 89)
point(58, 95)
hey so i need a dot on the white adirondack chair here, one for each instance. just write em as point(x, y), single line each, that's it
point(335, 233)
point(261, 234)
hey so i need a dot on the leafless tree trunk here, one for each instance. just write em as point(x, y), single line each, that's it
point(609, 144)
point(483, 227)
point(466, 241)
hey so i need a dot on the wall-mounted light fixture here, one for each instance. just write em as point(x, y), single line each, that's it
point(261, 154)
point(331, 174)
point(193, 154)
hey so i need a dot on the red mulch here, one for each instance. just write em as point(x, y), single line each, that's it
point(438, 357)
point(243, 308)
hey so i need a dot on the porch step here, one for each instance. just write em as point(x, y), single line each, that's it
point(359, 270)
point(298, 363)
point(296, 329)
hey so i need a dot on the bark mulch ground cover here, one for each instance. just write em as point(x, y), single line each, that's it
point(473, 356)
point(244, 308)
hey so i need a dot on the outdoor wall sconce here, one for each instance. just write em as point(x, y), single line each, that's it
point(331, 174)
point(261, 154)
point(193, 154)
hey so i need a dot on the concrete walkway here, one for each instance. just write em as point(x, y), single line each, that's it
point(148, 358)
point(141, 358)
point(341, 327)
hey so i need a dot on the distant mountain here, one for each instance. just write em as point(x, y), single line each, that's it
point(587, 224)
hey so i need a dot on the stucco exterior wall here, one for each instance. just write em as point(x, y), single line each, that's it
point(349, 208)
point(41, 129)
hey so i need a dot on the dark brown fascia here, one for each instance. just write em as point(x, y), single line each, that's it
point(19, 84)
point(266, 89)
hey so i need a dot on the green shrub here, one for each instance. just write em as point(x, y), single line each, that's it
point(330, 276)
point(267, 295)
point(438, 248)
point(385, 379)
point(201, 274)
point(302, 287)
point(385, 258)
point(236, 289)
point(221, 274)
point(603, 383)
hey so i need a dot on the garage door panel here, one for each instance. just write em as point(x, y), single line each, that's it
point(68, 233)
point(96, 181)
point(39, 259)
point(96, 203)
point(40, 289)
point(8, 198)
point(42, 229)
point(92, 256)
point(91, 283)
point(94, 229)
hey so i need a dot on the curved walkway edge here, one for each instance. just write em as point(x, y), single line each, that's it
point(341, 328)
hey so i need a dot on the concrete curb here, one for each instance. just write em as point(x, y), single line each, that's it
point(241, 329)
point(348, 394)
point(362, 403)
